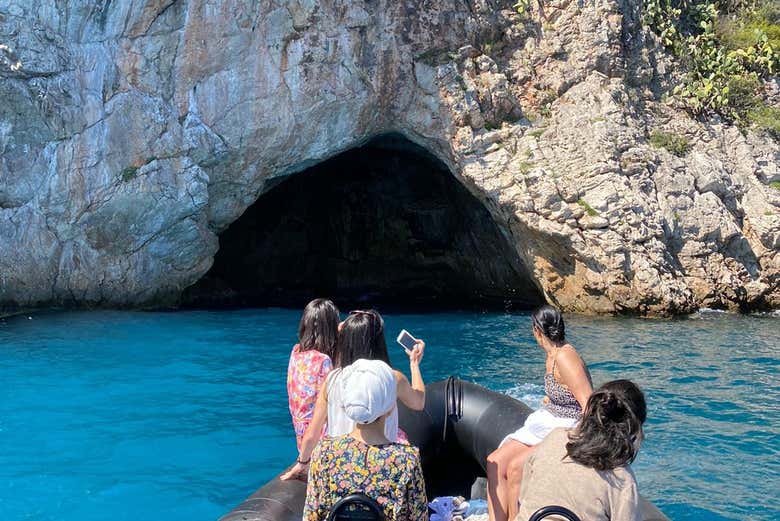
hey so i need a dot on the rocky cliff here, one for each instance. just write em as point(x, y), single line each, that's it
point(133, 132)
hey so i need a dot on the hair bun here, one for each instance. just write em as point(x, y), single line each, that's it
point(549, 322)
point(612, 406)
point(556, 332)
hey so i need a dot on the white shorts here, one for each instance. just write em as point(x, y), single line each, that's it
point(537, 426)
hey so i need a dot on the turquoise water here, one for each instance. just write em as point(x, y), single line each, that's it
point(182, 415)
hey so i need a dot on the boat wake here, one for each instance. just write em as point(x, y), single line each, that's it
point(529, 394)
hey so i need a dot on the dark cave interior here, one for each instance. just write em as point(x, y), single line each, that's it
point(384, 224)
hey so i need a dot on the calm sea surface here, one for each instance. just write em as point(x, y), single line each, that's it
point(180, 416)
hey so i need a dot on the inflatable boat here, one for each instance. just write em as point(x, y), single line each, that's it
point(461, 424)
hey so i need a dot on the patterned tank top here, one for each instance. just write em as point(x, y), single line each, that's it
point(562, 402)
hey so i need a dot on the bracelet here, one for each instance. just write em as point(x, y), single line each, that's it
point(303, 462)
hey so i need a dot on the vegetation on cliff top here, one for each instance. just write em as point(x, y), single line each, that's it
point(726, 47)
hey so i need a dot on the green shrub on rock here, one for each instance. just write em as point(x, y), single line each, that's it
point(592, 212)
point(752, 33)
point(747, 108)
point(522, 7)
point(741, 25)
point(670, 141)
point(524, 167)
point(743, 95)
point(766, 118)
point(128, 174)
point(724, 46)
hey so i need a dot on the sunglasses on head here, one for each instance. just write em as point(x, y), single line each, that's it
point(370, 313)
point(374, 319)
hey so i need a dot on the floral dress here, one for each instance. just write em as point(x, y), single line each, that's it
point(389, 473)
point(306, 373)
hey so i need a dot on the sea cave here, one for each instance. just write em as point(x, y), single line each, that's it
point(385, 223)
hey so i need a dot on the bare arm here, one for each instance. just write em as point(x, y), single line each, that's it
point(412, 395)
point(311, 436)
point(574, 376)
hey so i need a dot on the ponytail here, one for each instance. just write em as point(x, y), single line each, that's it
point(610, 431)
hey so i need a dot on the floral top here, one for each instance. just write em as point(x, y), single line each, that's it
point(389, 473)
point(306, 373)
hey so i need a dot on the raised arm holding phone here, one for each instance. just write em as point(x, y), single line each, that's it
point(414, 393)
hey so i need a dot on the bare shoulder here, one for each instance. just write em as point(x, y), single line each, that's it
point(568, 355)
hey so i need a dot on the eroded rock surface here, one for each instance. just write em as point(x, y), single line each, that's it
point(133, 132)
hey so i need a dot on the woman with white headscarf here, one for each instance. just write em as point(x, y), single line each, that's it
point(365, 460)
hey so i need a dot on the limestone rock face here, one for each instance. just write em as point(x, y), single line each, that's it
point(133, 132)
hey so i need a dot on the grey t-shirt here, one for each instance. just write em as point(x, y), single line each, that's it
point(550, 477)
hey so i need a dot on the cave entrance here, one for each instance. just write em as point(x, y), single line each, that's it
point(382, 224)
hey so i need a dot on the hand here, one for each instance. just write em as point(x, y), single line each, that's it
point(416, 354)
point(545, 400)
point(298, 471)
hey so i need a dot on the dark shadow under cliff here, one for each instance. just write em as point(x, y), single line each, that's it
point(385, 223)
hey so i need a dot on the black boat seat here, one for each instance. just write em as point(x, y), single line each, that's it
point(356, 507)
point(553, 510)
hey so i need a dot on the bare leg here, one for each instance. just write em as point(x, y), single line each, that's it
point(514, 476)
point(495, 488)
point(497, 466)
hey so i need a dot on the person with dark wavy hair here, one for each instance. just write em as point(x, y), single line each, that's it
point(587, 469)
point(361, 336)
point(567, 387)
point(311, 360)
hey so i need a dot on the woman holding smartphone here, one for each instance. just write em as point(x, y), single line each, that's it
point(361, 336)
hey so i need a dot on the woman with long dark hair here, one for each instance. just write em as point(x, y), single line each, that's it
point(587, 469)
point(361, 336)
point(567, 387)
point(311, 360)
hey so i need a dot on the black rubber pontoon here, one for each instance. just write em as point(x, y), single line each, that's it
point(461, 424)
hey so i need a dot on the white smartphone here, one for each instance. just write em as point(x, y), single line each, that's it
point(406, 340)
